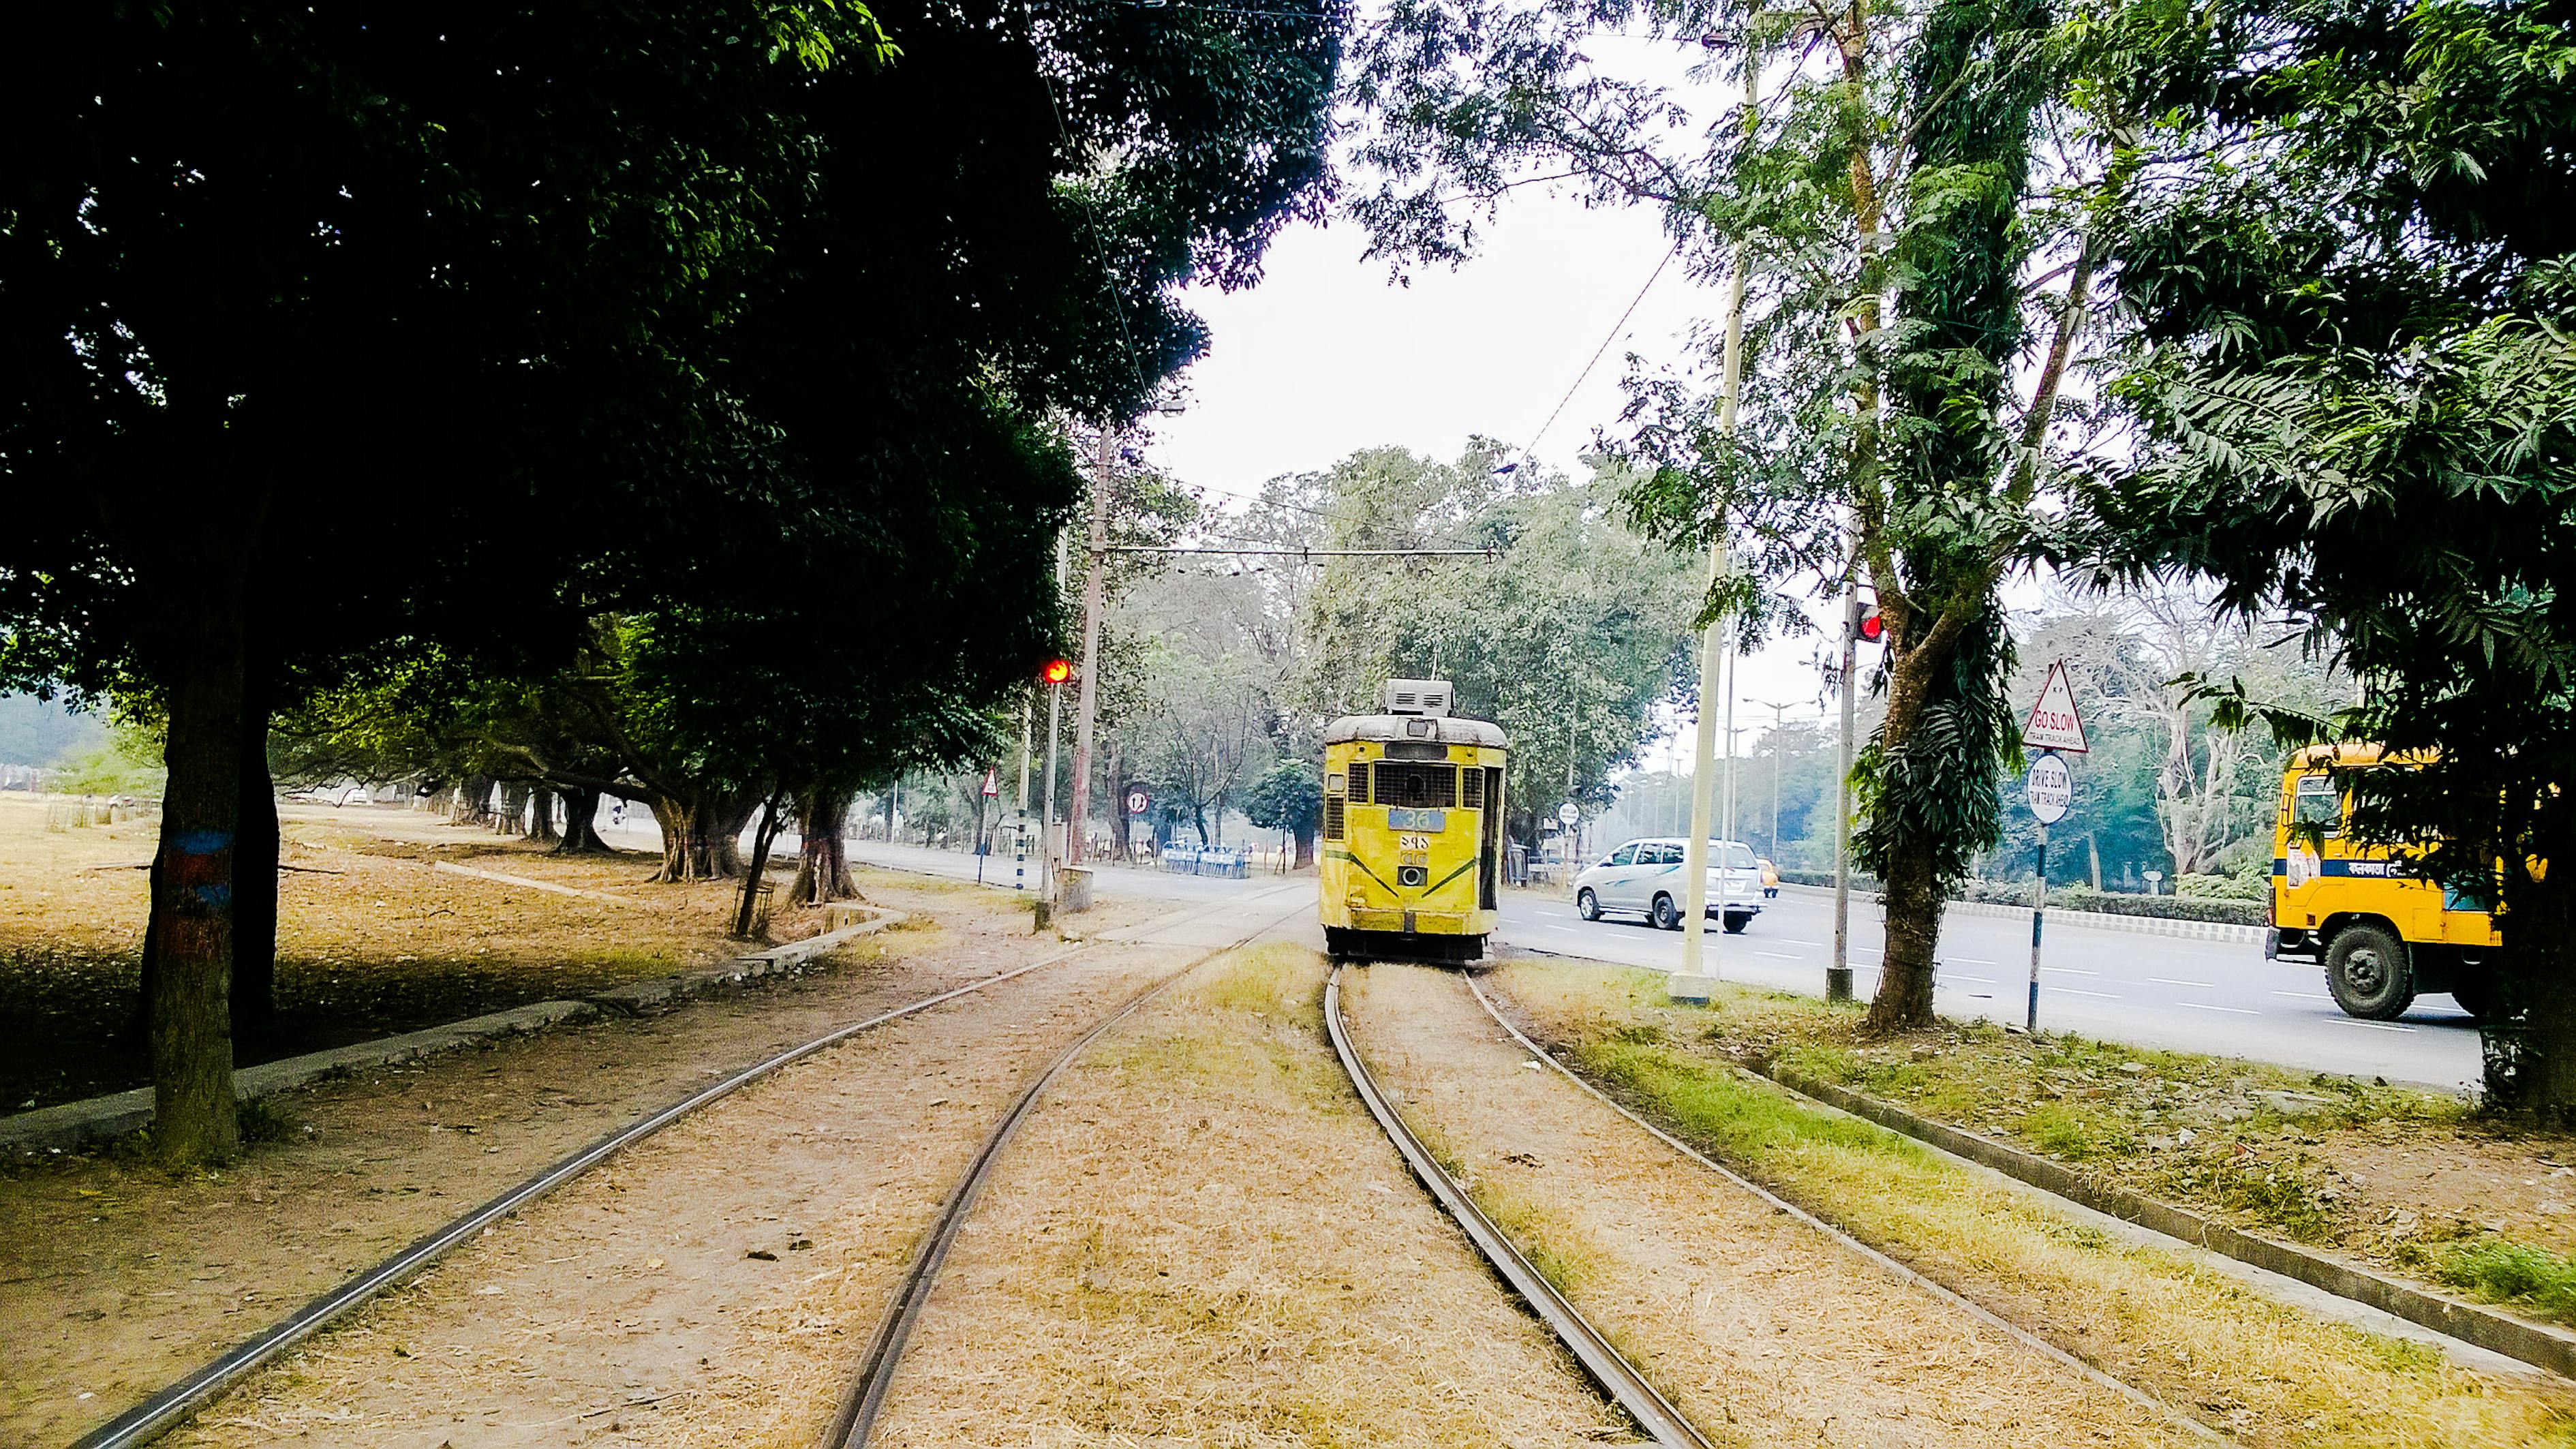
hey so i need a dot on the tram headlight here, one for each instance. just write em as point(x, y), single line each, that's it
point(1412, 877)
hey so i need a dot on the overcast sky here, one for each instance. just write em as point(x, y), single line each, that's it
point(1326, 356)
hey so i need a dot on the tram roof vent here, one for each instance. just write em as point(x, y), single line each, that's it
point(1418, 696)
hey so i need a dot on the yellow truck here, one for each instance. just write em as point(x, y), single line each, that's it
point(2383, 932)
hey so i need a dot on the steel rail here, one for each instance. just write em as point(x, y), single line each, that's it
point(1617, 1377)
point(1903, 1272)
point(857, 1418)
point(165, 1410)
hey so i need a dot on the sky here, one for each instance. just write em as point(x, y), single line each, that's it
point(1327, 356)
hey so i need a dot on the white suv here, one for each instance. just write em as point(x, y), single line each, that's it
point(1645, 876)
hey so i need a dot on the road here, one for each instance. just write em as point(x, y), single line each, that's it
point(2151, 991)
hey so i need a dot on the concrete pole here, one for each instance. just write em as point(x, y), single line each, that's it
point(1698, 976)
point(1087, 690)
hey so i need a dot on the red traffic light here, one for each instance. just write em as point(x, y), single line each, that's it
point(1057, 671)
point(1872, 627)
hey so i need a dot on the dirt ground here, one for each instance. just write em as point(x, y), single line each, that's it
point(2265, 1371)
point(1201, 1238)
point(371, 939)
point(117, 1278)
point(1758, 1326)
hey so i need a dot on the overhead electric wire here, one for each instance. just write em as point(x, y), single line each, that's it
point(1611, 336)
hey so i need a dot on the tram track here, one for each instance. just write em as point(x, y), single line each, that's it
point(1608, 1369)
point(1878, 1259)
point(856, 1420)
point(174, 1404)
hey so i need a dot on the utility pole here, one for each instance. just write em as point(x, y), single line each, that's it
point(1776, 710)
point(1838, 978)
point(1047, 861)
point(1692, 983)
point(1087, 690)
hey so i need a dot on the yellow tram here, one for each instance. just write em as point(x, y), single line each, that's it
point(1413, 829)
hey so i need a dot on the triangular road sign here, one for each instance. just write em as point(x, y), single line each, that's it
point(2053, 722)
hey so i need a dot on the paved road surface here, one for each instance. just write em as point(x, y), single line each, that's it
point(2157, 991)
point(2154, 991)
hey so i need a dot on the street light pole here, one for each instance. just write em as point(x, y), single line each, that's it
point(1776, 710)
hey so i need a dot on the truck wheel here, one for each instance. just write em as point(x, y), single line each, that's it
point(2475, 990)
point(1666, 918)
point(1736, 921)
point(2367, 970)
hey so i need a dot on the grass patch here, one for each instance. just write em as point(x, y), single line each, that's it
point(2507, 1272)
point(2266, 1372)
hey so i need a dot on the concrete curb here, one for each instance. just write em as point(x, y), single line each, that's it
point(2099, 920)
point(2541, 1345)
point(68, 1125)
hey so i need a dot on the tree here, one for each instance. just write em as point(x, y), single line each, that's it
point(1289, 799)
point(1881, 207)
point(2346, 297)
point(610, 279)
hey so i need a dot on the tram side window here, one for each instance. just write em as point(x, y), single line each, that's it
point(1417, 787)
point(1333, 817)
point(1472, 791)
point(1359, 782)
point(2317, 804)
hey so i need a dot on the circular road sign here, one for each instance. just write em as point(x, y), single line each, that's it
point(1567, 813)
point(1138, 801)
point(2051, 786)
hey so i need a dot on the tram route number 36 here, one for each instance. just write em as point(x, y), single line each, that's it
point(1413, 850)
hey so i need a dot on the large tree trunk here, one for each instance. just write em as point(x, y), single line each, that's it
point(541, 816)
point(1305, 847)
point(474, 800)
point(581, 825)
point(514, 809)
point(254, 975)
point(193, 899)
point(1910, 894)
point(823, 869)
point(2529, 1040)
point(701, 835)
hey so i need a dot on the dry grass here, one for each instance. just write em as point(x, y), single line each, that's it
point(2268, 1373)
point(371, 940)
point(1202, 1239)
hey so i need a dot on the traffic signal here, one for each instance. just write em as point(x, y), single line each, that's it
point(1864, 622)
point(1057, 671)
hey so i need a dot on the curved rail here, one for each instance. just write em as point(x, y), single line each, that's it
point(1617, 1377)
point(165, 1410)
point(1902, 1271)
point(857, 1419)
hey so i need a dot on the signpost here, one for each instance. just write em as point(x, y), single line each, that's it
point(2054, 725)
point(1567, 815)
point(1138, 802)
point(984, 846)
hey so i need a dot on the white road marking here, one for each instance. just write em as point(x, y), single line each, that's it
point(1972, 960)
point(2205, 1006)
point(2071, 991)
point(2070, 971)
point(1964, 976)
point(1569, 930)
point(1785, 941)
point(2373, 1025)
point(2169, 981)
point(1780, 955)
point(2305, 995)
